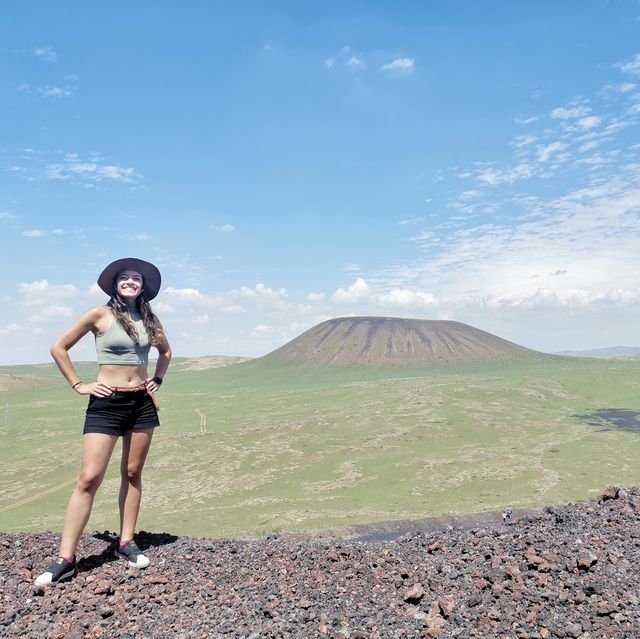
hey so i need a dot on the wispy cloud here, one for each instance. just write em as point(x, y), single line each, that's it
point(545, 152)
point(56, 92)
point(46, 53)
point(345, 58)
point(33, 233)
point(399, 64)
point(73, 168)
point(224, 228)
point(568, 113)
point(573, 252)
point(631, 66)
point(47, 91)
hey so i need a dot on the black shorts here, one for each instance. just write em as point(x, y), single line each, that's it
point(120, 413)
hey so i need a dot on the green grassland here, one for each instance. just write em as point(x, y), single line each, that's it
point(291, 449)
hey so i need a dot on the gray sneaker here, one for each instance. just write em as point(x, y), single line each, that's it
point(58, 571)
point(133, 555)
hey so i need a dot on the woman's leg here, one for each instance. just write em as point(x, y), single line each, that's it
point(96, 452)
point(135, 446)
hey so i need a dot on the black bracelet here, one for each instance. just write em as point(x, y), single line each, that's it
point(76, 384)
point(157, 380)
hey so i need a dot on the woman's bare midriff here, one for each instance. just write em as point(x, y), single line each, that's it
point(129, 375)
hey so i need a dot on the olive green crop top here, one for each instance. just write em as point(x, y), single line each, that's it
point(114, 346)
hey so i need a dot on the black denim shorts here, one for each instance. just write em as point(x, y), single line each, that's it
point(120, 413)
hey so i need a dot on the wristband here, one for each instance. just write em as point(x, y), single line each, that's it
point(157, 380)
point(76, 384)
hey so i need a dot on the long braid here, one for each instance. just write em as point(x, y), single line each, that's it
point(151, 322)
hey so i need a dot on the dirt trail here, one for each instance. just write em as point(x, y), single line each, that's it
point(203, 420)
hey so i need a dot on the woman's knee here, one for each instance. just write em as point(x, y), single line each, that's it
point(89, 481)
point(132, 473)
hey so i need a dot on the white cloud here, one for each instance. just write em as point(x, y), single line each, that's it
point(202, 319)
point(42, 293)
point(262, 329)
point(589, 146)
point(77, 170)
point(354, 61)
point(546, 151)
point(357, 292)
point(421, 237)
point(139, 237)
point(589, 122)
point(316, 297)
point(529, 120)
point(411, 220)
point(224, 228)
point(524, 140)
point(399, 64)
point(261, 292)
point(20, 330)
point(233, 309)
point(587, 236)
point(33, 233)
point(45, 53)
point(185, 294)
point(51, 311)
point(632, 66)
point(573, 112)
point(496, 176)
point(405, 298)
point(5, 215)
point(55, 92)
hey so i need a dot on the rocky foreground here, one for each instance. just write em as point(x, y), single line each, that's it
point(571, 571)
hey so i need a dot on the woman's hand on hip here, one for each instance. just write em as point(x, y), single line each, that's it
point(97, 389)
point(152, 387)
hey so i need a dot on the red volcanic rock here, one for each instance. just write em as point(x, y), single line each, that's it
point(571, 571)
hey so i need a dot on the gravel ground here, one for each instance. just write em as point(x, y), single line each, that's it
point(570, 571)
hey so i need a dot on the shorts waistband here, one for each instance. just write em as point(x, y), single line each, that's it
point(129, 389)
point(141, 388)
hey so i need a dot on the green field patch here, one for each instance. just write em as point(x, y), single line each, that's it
point(290, 448)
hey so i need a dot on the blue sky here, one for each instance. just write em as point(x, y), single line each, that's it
point(286, 162)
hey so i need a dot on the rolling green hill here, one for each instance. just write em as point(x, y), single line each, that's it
point(284, 444)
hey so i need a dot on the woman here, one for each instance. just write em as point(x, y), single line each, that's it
point(121, 403)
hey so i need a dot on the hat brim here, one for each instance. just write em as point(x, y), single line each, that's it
point(150, 275)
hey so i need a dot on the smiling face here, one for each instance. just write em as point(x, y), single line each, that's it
point(129, 284)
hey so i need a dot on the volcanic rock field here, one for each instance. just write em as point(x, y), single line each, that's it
point(570, 571)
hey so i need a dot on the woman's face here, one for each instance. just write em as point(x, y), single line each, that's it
point(129, 284)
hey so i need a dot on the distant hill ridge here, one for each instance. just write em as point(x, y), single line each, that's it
point(393, 341)
point(611, 351)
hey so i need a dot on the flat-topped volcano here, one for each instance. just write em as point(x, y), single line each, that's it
point(393, 341)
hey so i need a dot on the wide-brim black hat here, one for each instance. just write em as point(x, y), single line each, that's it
point(150, 275)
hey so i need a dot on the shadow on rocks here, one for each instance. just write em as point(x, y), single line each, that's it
point(144, 540)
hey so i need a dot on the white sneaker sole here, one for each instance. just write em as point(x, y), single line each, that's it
point(142, 562)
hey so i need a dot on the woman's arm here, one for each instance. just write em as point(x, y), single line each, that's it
point(164, 357)
point(60, 352)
